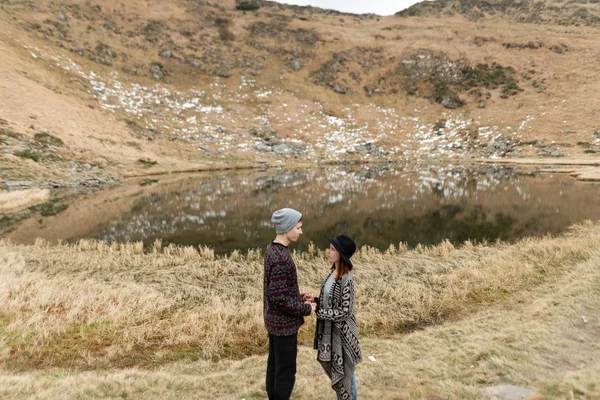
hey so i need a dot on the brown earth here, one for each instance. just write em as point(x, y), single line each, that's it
point(151, 87)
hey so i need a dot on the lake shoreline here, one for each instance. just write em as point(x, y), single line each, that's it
point(416, 204)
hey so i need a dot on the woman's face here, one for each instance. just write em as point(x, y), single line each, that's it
point(333, 256)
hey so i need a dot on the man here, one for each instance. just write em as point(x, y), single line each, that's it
point(284, 309)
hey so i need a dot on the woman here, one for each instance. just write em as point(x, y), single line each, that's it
point(336, 336)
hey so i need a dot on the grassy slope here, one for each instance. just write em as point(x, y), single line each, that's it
point(93, 320)
point(101, 137)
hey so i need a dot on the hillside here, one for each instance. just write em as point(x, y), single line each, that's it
point(98, 91)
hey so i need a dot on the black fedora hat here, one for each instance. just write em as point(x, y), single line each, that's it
point(345, 246)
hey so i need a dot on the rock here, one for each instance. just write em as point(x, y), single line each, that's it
point(452, 102)
point(207, 150)
point(296, 65)
point(288, 149)
point(590, 151)
point(223, 73)
point(157, 72)
point(63, 17)
point(55, 184)
point(507, 392)
point(568, 131)
point(17, 184)
point(265, 148)
point(368, 148)
point(552, 153)
point(559, 48)
point(481, 104)
point(538, 85)
point(265, 132)
point(165, 53)
point(597, 134)
point(93, 182)
point(104, 50)
point(340, 89)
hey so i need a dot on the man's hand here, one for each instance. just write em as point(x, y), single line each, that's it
point(314, 307)
point(307, 297)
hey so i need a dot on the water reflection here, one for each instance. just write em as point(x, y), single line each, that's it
point(377, 205)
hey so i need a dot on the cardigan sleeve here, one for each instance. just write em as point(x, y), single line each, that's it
point(340, 310)
point(281, 292)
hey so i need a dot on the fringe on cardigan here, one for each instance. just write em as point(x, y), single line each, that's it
point(336, 336)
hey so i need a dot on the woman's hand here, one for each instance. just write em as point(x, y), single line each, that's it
point(307, 297)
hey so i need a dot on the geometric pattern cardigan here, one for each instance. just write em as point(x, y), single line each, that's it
point(338, 352)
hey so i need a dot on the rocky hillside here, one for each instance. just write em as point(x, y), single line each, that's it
point(564, 13)
point(103, 89)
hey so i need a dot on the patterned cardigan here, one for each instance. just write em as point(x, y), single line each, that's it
point(338, 352)
point(283, 308)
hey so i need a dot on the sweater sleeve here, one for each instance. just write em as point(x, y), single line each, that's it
point(340, 310)
point(280, 291)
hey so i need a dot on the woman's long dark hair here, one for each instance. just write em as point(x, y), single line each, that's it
point(344, 267)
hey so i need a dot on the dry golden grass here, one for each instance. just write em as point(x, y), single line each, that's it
point(98, 320)
point(14, 201)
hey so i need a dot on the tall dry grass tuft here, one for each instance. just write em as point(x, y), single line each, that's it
point(11, 202)
point(95, 305)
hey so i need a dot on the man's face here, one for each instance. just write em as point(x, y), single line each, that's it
point(295, 233)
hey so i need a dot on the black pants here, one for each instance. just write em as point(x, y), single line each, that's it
point(281, 366)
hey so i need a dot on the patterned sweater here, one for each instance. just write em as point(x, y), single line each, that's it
point(284, 310)
point(336, 336)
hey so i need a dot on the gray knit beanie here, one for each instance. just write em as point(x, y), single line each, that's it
point(285, 219)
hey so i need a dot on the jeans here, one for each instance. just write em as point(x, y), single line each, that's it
point(281, 366)
point(354, 386)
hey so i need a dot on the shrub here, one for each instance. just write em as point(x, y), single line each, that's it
point(46, 138)
point(247, 6)
point(148, 162)
point(50, 208)
point(32, 155)
point(9, 133)
point(510, 88)
point(148, 182)
point(225, 34)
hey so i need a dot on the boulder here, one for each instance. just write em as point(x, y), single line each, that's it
point(452, 102)
point(341, 89)
point(223, 73)
point(288, 149)
point(17, 184)
point(157, 72)
point(507, 392)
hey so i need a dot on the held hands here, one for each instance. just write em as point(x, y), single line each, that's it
point(310, 298)
point(307, 297)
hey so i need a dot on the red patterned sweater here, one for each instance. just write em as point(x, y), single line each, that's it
point(283, 309)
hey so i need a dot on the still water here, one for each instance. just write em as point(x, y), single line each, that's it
point(376, 205)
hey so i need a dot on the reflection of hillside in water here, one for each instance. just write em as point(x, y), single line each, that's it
point(378, 206)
